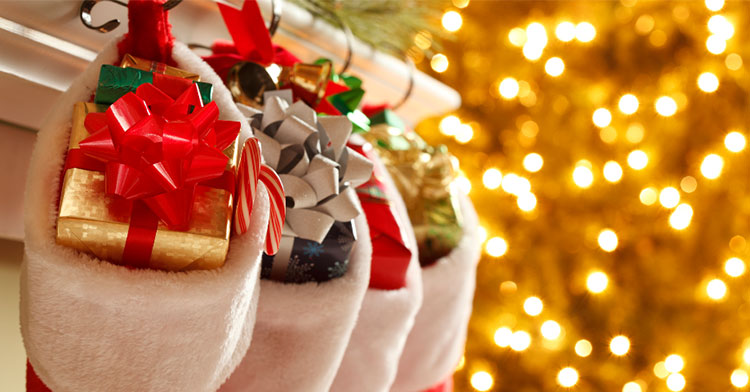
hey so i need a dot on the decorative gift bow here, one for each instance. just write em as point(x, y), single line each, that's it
point(158, 148)
point(318, 170)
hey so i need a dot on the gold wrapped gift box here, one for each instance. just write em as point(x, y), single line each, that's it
point(130, 61)
point(91, 221)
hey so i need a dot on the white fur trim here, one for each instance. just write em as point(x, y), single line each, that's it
point(371, 360)
point(436, 342)
point(302, 330)
point(94, 326)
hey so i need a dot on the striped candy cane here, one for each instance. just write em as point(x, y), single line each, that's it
point(271, 180)
point(250, 172)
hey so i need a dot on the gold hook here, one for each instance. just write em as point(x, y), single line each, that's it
point(88, 5)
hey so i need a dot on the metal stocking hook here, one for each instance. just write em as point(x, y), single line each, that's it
point(88, 5)
point(412, 71)
point(349, 41)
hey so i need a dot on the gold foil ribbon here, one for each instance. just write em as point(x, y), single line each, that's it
point(130, 61)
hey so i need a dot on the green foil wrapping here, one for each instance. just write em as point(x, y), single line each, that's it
point(114, 82)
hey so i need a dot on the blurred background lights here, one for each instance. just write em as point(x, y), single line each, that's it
point(583, 348)
point(674, 363)
point(612, 171)
point(554, 66)
point(708, 82)
point(449, 124)
point(688, 184)
point(619, 345)
point(714, 5)
point(637, 160)
point(660, 370)
point(481, 381)
point(520, 341)
point(464, 184)
point(496, 246)
point(715, 44)
point(492, 178)
point(635, 133)
point(439, 63)
point(536, 34)
point(676, 382)
point(565, 31)
point(597, 282)
point(734, 141)
point(746, 356)
point(585, 32)
point(711, 166)
point(551, 330)
point(733, 61)
point(669, 197)
point(601, 117)
point(734, 267)
point(716, 289)
point(517, 36)
point(631, 386)
point(508, 88)
point(532, 52)
point(567, 377)
point(721, 27)
point(533, 306)
point(464, 133)
point(526, 201)
point(666, 106)
point(503, 336)
point(628, 104)
point(648, 196)
point(739, 378)
point(607, 240)
point(681, 217)
point(515, 184)
point(452, 21)
point(583, 177)
point(482, 234)
point(533, 162)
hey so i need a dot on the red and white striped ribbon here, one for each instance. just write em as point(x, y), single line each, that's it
point(250, 172)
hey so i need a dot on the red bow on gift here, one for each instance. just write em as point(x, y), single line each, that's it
point(157, 148)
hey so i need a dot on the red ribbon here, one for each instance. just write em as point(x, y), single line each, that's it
point(155, 149)
point(252, 42)
point(149, 32)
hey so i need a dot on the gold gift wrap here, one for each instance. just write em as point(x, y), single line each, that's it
point(424, 176)
point(130, 61)
point(94, 222)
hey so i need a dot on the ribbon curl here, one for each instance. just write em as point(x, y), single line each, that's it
point(318, 171)
point(158, 148)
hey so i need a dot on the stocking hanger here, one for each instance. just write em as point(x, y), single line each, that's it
point(88, 5)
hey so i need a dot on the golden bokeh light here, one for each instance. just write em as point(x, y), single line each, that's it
point(517, 36)
point(567, 377)
point(708, 82)
point(449, 124)
point(585, 32)
point(508, 88)
point(533, 162)
point(734, 267)
point(711, 166)
point(733, 61)
point(496, 246)
point(739, 378)
point(452, 21)
point(492, 178)
point(648, 196)
point(554, 66)
point(583, 348)
point(520, 341)
point(463, 184)
point(619, 345)
point(721, 27)
point(533, 306)
point(612, 171)
point(714, 5)
point(669, 197)
point(597, 282)
point(676, 382)
point(666, 106)
point(464, 133)
point(716, 289)
point(674, 363)
point(503, 336)
point(628, 104)
point(526, 201)
point(735, 141)
point(660, 370)
point(681, 217)
point(632, 386)
point(716, 44)
point(439, 63)
point(601, 117)
point(565, 31)
point(583, 177)
point(607, 240)
point(637, 160)
point(482, 381)
point(688, 184)
point(635, 133)
point(551, 330)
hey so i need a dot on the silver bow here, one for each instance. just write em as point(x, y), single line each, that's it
point(318, 170)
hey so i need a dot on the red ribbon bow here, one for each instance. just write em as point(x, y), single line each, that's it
point(157, 148)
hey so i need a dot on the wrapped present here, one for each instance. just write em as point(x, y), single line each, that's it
point(148, 175)
point(390, 255)
point(130, 61)
point(424, 175)
point(114, 82)
point(319, 173)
